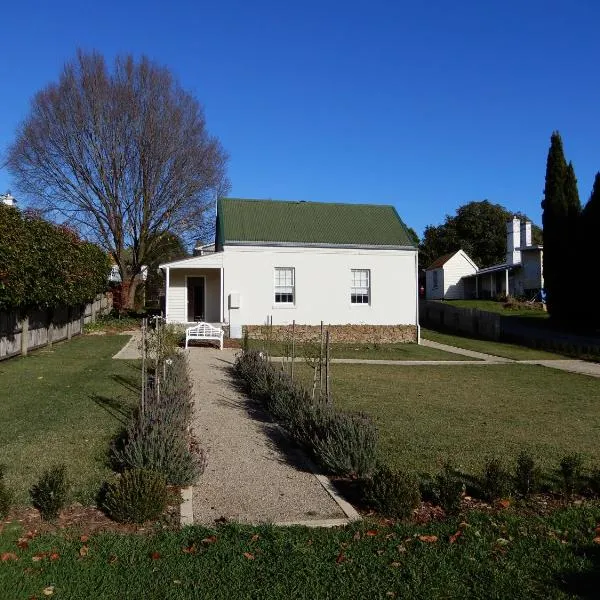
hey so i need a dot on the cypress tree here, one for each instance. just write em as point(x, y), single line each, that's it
point(554, 221)
point(571, 249)
point(590, 226)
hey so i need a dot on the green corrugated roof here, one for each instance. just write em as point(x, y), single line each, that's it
point(275, 221)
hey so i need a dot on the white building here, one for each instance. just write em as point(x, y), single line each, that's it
point(521, 274)
point(298, 261)
point(8, 199)
point(444, 277)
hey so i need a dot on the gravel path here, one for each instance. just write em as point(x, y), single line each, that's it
point(252, 475)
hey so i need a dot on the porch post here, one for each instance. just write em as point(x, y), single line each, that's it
point(167, 280)
point(492, 286)
point(506, 281)
point(476, 287)
point(221, 295)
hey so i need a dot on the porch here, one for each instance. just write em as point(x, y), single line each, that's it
point(194, 290)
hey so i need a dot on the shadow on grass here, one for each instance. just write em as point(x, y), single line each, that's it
point(115, 407)
point(583, 584)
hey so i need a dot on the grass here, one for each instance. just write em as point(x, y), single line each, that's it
point(63, 406)
point(430, 414)
point(496, 556)
point(361, 351)
point(496, 348)
point(499, 307)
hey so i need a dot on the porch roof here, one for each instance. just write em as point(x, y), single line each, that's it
point(213, 260)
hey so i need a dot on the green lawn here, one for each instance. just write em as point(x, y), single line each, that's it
point(496, 348)
point(496, 556)
point(63, 406)
point(430, 414)
point(361, 351)
point(499, 307)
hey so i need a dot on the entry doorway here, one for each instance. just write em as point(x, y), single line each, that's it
point(196, 303)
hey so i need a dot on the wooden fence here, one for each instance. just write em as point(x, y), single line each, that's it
point(20, 334)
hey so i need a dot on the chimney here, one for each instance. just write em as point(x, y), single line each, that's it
point(525, 234)
point(513, 241)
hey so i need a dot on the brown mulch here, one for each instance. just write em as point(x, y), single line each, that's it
point(85, 520)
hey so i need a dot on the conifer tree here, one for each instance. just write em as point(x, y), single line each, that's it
point(590, 226)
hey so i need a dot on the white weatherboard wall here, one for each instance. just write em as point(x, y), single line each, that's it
point(322, 285)
point(454, 270)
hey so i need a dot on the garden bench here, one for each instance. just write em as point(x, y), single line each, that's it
point(204, 331)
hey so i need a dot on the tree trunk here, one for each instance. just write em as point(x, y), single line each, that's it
point(129, 292)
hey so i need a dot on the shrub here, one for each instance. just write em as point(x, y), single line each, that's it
point(49, 494)
point(570, 471)
point(594, 482)
point(136, 496)
point(348, 445)
point(495, 482)
point(392, 493)
point(526, 475)
point(448, 489)
point(5, 496)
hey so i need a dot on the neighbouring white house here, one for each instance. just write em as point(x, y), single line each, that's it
point(521, 274)
point(8, 199)
point(297, 261)
point(444, 277)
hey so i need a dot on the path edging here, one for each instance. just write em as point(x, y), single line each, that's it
point(186, 511)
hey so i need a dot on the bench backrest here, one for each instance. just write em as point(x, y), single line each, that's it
point(204, 329)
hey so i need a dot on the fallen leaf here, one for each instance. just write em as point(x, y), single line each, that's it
point(112, 559)
point(255, 537)
point(504, 503)
point(48, 591)
point(155, 555)
point(249, 555)
point(340, 558)
point(455, 536)
point(428, 539)
point(356, 536)
point(380, 552)
point(209, 540)
point(83, 551)
point(372, 532)
point(38, 557)
point(396, 564)
point(22, 543)
point(30, 535)
point(401, 548)
point(389, 536)
point(596, 540)
point(177, 581)
point(5, 556)
point(463, 525)
point(190, 549)
point(84, 538)
point(54, 556)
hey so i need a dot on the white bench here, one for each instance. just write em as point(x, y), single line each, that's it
point(204, 331)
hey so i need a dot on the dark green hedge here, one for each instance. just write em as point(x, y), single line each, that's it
point(44, 265)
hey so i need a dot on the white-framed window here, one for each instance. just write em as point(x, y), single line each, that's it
point(435, 279)
point(360, 292)
point(285, 284)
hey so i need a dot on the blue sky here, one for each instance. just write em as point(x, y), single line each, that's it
point(424, 105)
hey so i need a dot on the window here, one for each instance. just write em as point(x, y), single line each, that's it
point(435, 279)
point(284, 285)
point(361, 286)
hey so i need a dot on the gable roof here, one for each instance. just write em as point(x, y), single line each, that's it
point(276, 222)
point(438, 263)
point(441, 261)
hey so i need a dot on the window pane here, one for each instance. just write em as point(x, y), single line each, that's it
point(284, 285)
point(359, 292)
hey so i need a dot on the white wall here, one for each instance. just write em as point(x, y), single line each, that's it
point(323, 281)
point(530, 275)
point(454, 270)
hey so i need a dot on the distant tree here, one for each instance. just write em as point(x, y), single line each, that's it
point(413, 236)
point(479, 228)
point(560, 218)
point(121, 153)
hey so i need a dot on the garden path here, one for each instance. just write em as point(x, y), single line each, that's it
point(253, 474)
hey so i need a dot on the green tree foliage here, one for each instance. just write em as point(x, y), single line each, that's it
point(560, 218)
point(479, 228)
point(44, 265)
point(590, 226)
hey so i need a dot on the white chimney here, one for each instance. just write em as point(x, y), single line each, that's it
point(525, 234)
point(513, 241)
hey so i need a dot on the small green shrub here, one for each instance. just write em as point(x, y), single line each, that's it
point(571, 467)
point(392, 493)
point(348, 445)
point(594, 482)
point(526, 475)
point(495, 482)
point(136, 496)
point(49, 494)
point(448, 489)
point(5, 496)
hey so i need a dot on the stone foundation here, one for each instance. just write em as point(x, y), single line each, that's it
point(361, 334)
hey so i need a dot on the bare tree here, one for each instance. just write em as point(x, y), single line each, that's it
point(124, 154)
